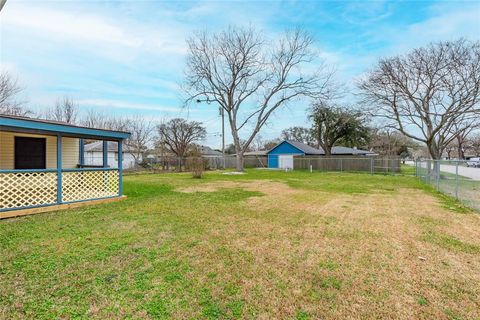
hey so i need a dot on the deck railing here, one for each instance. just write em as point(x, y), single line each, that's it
point(20, 189)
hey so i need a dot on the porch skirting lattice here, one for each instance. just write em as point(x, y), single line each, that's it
point(85, 185)
point(39, 188)
point(25, 189)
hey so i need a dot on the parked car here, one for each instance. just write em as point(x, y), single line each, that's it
point(473, 162)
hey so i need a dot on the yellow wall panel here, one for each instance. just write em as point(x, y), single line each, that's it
point(69, 150)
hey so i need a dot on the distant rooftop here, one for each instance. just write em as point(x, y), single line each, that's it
point(339, 150)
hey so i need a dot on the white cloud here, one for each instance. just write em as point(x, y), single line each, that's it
point(78, 27)
point(58, 23)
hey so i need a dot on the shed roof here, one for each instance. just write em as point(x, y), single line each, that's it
point(17, 123)
point(309, 150)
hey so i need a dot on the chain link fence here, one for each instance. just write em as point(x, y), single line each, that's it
point(349, 164)
point(459, 179)
point(339, 163)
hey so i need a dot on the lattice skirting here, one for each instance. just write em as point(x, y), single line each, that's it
point(26, 189)
point(89, 185)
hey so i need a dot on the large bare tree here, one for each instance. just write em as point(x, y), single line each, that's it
point(141, 135)
point(9, 90)
point(250, 77)
point(65, 110)
point(179, 135)
point(430, 94)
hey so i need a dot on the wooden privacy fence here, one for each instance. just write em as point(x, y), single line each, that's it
point(356, 164)
point(337, 163)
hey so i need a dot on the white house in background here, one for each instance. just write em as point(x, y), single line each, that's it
point(94, 155)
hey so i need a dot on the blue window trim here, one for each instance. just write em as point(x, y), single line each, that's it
point(120, 168)
point(59, 168)
point(105, 153)
point(61, 128)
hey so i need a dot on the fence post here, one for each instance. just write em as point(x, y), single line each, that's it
point(371, 166)
point(341, 164)
point(456, 181)
point(437, 165)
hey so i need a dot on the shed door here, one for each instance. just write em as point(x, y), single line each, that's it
point(285, 161)
point(30, 153)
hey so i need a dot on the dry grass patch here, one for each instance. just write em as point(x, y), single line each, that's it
point(359, 255)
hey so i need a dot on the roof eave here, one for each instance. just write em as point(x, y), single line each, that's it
point(25, 124)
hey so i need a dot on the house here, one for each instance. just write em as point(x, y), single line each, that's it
point(281, 156)
point(42, 167)
point(208, 152)
point(94, 155)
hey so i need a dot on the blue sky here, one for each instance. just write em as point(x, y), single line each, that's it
point(127, 57)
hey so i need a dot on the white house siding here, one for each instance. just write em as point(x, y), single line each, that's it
point(95, 158)
point(69, 150)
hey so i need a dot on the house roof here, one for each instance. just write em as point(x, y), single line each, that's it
point(305, 148)
point(97, 146)
point(207, 151)
point(17, 123)
point(309, 150)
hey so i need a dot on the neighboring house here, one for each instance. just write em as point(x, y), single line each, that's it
point(94, 155)
point(281, 156)
point(208, 152)
point(41, 167)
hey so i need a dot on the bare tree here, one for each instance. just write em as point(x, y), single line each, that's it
point(473, 145)
point(390, 142)
point(250, 77)
point(96, 119)
point(332, 123)
point(65, 110)
point(179, 134)
point(300, 134)
point(430, 95)
point(9, 90)
point(141, 131)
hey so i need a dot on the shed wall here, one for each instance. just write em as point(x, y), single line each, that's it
point(282, 148)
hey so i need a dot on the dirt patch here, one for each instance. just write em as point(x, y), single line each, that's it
point(264, 186)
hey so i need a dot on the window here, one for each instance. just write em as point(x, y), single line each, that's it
point(30, 153)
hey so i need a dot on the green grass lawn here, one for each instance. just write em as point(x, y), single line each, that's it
point(267, 244)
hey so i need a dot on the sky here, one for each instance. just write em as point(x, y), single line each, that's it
point(128, 57)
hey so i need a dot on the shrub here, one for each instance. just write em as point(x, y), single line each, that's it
point(197, 166)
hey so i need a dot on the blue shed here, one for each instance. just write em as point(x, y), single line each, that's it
point(281, 156)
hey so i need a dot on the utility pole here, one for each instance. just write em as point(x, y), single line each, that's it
point(222, 114)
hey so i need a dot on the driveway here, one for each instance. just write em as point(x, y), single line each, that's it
point(472, 173)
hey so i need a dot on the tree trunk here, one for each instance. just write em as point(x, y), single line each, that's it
point(328, 150)
point(240, 161)
point(434, 151)
point(461, 154)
